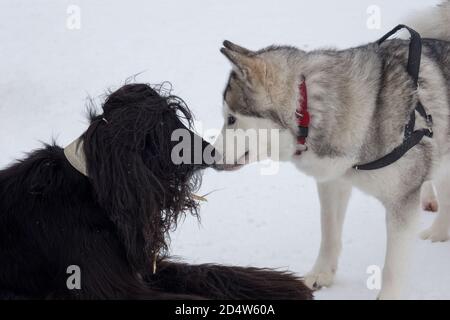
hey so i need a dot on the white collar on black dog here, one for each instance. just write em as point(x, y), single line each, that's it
point(74, 153)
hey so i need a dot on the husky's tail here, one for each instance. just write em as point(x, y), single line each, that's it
point(434, 22)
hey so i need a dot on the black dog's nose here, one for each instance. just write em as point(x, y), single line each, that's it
point(209, 154)
point(199, 152)
point(196, 151)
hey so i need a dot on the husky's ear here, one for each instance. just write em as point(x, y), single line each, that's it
point(251, 68)
point(234, 47)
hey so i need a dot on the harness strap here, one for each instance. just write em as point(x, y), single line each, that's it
point(397, 153)
point(411, 137)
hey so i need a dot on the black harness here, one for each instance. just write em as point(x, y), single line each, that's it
point(412, 137)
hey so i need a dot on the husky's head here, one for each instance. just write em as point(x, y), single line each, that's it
point(259, 106)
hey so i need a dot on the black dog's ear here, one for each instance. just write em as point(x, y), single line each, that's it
point(125, 189)
point(129, 162)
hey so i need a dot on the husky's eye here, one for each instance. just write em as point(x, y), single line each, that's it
point(231, 120)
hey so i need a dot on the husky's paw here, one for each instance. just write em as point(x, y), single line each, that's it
point(315, 280)
point(430, 205)
point(435, 234)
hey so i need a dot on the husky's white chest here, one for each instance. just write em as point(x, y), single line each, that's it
point(321, 168)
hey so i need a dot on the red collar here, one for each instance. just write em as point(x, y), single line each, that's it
point(302, 115)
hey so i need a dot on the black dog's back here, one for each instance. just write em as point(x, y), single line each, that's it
point(29, 192)
point(48, 221)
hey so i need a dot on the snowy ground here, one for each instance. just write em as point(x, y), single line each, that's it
point(47, 71)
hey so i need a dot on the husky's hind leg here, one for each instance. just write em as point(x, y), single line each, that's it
point(334, 198)
point(438, 231)
point(428, 197)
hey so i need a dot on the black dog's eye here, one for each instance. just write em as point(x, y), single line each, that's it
point(231, 120)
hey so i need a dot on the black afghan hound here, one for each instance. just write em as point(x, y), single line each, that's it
point(109, 211)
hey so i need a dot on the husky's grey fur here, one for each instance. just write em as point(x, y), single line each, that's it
point(360, 100)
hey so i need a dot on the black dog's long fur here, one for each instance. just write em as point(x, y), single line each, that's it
point(116, 222)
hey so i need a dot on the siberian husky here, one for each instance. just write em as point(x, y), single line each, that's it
point(359, 101)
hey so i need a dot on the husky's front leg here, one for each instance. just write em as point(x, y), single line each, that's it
point(334, 198)
point(401, 222)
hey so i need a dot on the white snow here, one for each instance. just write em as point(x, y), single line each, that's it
point(47, 71)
